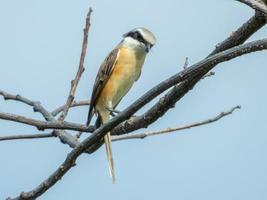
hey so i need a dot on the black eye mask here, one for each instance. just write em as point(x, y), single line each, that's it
point(137, 36)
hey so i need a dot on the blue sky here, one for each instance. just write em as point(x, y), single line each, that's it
point(40, 49)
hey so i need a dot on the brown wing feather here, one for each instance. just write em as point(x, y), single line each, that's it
point(102, 77)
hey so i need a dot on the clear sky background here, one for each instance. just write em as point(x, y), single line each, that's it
point(40, 47)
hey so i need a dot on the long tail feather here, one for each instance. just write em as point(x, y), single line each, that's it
point(107, 140)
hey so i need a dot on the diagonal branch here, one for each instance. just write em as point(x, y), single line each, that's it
point(75, 82)
point(150, 116)
point(74, 104)
point(179, 128)
point(258, 5)
point(242, 33)
point(28, 136)
point(128, 112)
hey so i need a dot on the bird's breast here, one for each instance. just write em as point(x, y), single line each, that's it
point(126, 71)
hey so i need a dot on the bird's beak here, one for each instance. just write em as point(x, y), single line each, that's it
point(148, 47)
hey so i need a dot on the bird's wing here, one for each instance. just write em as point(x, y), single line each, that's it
point(102, 77)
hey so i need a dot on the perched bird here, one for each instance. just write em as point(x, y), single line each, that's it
point(121, 68)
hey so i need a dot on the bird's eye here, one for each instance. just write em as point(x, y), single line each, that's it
point(136, 35)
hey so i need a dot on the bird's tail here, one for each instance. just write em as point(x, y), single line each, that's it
point(107, 140)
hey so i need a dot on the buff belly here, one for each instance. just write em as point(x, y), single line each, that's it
point(126, 71)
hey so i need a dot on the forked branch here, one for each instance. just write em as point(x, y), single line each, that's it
point(179, 128)
point(75, 82)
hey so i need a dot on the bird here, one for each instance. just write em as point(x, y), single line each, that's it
point(116, 75)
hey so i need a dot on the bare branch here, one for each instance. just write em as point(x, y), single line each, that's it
point(170, 130)
point(256, 4)
point(29, 136)
point(75, 82)
point(74, 104)
point(150, 116)
point(64, 136)
point(186, 63)
point(37, 107)
point(242, 33)
point(42, 125)
point(127, 113)
point(209, 74)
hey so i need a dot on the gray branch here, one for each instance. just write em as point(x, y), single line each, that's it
point(28, 136)
point(74, 104)
point(258, 5)
point(64, 136)
point(75, 82)
point(179, 128)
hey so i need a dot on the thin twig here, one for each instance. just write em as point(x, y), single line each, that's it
point(186, 63)
point(74, 104)
point(42, 125)
point(64, 136)
point(209, 74)
point(37, 107)
point(179, 128)
point(29, 136)
point(257, 5)
point(75, 82)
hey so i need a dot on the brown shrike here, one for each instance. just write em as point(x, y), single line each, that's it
point(121, 68)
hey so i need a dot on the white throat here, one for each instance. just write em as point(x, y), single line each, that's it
point(133, 44)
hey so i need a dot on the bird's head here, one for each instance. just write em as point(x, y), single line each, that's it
point(140, 38)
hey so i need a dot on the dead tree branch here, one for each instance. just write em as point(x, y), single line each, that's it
point(28, 136)
point(74, 104)
point(42, 125)
point(258, 5)
point(64, 136)
point(37, 107)
point(205, 65)
point(179, 128)
point(75, 82)
point(143, 121)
